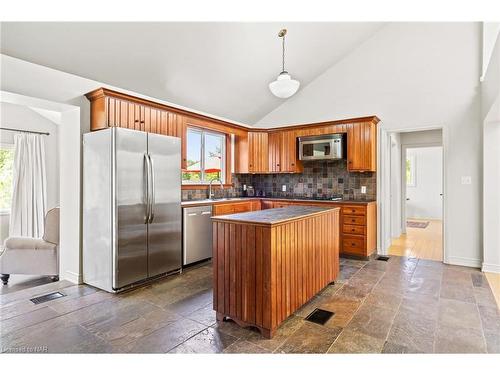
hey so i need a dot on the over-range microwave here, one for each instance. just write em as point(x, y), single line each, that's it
point(322, 147)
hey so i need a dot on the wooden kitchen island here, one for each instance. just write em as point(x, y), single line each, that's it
point(268, 263)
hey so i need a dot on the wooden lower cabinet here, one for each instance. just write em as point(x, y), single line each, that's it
point(263, 273)
point(232, 208)
point(358, 224)
point(265, 204)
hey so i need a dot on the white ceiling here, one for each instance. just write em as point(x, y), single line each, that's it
point(218, 68)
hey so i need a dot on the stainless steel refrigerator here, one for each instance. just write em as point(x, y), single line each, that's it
point(131, 207)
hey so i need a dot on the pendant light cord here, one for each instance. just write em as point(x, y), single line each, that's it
point(283, 61)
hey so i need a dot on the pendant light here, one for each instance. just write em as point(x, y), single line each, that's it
point(284, 86)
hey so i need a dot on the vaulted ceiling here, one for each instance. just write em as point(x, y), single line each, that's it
point(219, 68)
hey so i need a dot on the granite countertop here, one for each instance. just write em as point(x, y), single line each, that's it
point(274, 215)
point(229, 200)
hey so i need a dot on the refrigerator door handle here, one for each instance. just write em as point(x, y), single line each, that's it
point(152, 197)
point(147, 184)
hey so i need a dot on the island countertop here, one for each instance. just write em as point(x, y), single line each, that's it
point(274, 215)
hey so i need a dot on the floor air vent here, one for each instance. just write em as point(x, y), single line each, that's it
point(383, 258)
point(47, 297)
point(320, 316)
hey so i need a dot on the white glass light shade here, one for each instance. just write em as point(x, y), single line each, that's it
point(284, 86)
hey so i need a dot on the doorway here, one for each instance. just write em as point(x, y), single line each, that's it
point(416, 174)
point(67, 119)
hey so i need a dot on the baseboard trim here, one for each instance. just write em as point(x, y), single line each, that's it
point(490, 267)
point(466, 262)
point(74, 277)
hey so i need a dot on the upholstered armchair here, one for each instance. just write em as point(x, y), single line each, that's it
point(33, 256)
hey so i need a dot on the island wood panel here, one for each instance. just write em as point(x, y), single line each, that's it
point(264, 273)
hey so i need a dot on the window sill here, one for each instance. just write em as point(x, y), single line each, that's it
point(4, 213)
point(204, 186)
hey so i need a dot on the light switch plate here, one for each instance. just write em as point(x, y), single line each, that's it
point(466, 180)
point(283, 187)
point(363, 189)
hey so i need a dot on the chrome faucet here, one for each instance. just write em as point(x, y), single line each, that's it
point(210, 194)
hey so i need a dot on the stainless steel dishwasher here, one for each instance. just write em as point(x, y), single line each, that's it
point(196, 234)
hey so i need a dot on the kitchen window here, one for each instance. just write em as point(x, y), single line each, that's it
point(6, 175)
point(206, 153)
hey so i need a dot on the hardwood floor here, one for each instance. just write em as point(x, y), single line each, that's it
point(420, 243)
point(494, 281)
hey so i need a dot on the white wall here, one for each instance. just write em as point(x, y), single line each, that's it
point(491, 30)
point(424, 137)
point(395, 187)
point(491, 156)
point(413, 75)
point(24, 118)
point(425, 201)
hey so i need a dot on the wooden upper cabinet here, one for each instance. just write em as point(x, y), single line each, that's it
point(283, 152)
point(275, 146)
point(264, 151)
point(258, 152)
point(289, 157)
point(177, 127)
point(119, 113)
point(362, 147)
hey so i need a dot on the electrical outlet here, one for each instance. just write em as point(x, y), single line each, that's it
point(283, 187)
point(363, 189)
point(466, 180)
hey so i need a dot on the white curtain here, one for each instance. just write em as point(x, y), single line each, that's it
point(29, 193)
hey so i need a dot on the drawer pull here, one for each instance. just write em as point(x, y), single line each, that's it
point(353, 244)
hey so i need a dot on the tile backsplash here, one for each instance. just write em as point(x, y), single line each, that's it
point(320, 179)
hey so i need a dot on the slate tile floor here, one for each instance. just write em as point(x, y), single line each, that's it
point(401, 306)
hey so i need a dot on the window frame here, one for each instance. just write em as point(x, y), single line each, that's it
point(203, 132)
point(412, 165)
point(10, 146)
